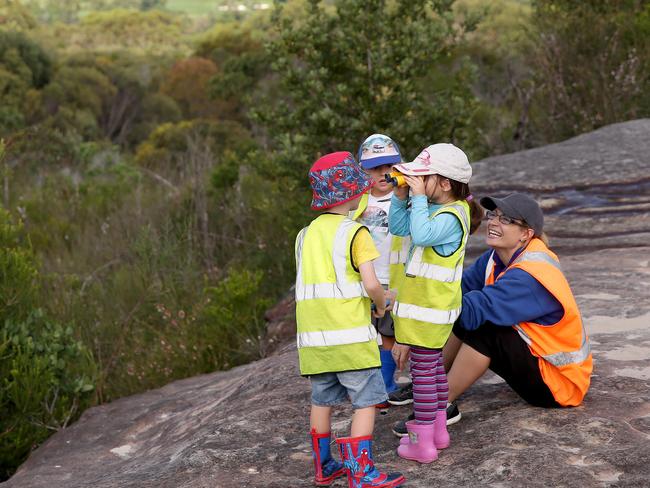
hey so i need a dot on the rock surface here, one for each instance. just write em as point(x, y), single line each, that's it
point(247, 427)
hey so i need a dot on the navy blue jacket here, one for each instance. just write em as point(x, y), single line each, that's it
point(515, 297)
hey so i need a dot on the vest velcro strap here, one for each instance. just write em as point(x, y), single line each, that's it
point(574, 357)
point(397, 257)
point(423, 314)
point(329, 290)
point(339, 337)
point(435, 272)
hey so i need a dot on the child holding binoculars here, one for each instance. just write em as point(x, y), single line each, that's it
point(441, 216)
point(377, 155)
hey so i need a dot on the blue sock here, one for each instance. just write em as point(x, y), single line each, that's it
point(388, 369)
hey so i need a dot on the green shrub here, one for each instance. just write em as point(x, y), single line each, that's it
point(46, 375)
point(46, 380)
point(230, 327)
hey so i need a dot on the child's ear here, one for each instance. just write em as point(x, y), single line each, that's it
point(445, 184)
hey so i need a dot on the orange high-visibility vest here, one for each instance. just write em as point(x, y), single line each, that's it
point(562, 349)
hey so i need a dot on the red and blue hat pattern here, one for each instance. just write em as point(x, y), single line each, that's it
point(335, 179)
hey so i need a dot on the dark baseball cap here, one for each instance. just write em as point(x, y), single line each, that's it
point(518, 206)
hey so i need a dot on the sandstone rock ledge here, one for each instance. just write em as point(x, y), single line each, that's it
point(248, 427)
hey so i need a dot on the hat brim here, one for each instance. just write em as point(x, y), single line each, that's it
point(491, 203)
point(315, 206)
point(415, 169)
point(380, 161)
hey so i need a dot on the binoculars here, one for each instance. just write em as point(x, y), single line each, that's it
point(395, 178)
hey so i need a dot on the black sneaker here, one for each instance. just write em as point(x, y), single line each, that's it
point(399, 429)
point(453, 414)
point(403, 396)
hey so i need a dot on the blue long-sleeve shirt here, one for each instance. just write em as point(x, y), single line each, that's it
point(515, 297)
point(443, 233)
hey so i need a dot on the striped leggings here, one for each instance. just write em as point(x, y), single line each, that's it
point(430, 388)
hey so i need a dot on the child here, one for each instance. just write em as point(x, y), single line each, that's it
point(377, 155)
point(429, 293)
point(337, 343)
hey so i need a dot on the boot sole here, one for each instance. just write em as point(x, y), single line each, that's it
point(418, 460)
point(330, 479)
point(400, 402)
point(455, 419)
point(397, 482)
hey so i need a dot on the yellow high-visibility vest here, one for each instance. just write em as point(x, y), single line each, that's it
point(334, 330)
point(429, 295)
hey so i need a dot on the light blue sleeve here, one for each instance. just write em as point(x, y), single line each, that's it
point(398, 217)
point(444, 232)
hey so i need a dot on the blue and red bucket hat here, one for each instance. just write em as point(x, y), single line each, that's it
point(335, 179)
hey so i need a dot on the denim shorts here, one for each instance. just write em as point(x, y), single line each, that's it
point(363, 387)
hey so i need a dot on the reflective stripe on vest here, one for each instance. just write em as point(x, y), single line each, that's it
point(329, 290)
point(340, 289)
point(400, 256)
point(562, 358)
point(322, 338)
point(423, 314)
point(539, 257)
point(416, 267)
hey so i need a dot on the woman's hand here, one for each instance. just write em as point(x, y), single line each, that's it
point(401, 354)
point(416, 183)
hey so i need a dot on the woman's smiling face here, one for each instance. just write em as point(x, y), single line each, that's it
point(504, 232)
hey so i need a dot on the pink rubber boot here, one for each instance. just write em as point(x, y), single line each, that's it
point(440, 434)
point(420, 447)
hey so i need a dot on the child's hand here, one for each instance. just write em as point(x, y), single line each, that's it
point(377, 311)
point(401, 354)
point(390, 299)
point(416, 183)
point(401, 192)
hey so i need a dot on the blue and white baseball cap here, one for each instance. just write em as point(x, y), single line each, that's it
point(378, 150)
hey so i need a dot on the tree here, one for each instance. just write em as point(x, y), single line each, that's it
point(187, 83)
point(238, 51)
point(590, 64)
point(370, 66)
point(152, 4)
point(15, 16)
point(24, 65)
point(154, 32)
point(111, 96)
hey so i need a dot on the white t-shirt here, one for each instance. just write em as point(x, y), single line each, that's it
point(375, 217)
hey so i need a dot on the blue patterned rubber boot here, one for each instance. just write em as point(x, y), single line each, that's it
point(388, 367)
point(327, 468)
point(356, 453)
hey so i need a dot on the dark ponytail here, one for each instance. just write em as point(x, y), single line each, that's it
point(461, 191)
